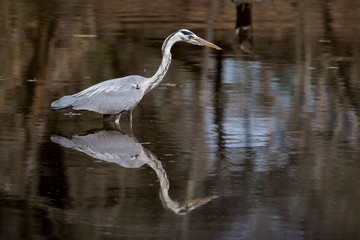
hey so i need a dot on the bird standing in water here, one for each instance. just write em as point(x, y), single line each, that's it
point(115, 96)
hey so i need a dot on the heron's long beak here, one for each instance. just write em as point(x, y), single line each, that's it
point(203, 42)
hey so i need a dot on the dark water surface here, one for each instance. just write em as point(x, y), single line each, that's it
point(258, 141)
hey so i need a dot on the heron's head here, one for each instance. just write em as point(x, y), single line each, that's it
point(190, 37)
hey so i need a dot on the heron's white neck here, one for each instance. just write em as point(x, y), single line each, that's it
point(154, 81)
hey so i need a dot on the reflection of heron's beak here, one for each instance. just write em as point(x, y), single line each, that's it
point(191, 205)
point(203, 42)
point(200, 201)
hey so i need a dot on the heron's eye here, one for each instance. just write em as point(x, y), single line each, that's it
point(191, 37)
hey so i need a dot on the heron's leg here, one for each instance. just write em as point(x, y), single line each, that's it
point(117, 118)
point(107, 117)
point(131, 115)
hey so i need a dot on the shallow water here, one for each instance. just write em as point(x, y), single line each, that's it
point(258, 141)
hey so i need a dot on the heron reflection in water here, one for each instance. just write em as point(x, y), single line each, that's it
point(115, 96)
point(116, 147)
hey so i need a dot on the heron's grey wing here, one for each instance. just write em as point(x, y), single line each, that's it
point(110, 146)
point(111, 97)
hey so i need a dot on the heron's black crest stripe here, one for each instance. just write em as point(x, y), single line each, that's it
point(186, 32)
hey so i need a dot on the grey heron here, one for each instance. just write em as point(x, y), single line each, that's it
point(115, 96)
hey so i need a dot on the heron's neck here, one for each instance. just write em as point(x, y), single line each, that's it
point(154, 81)
point(164, 183)
point(160, 73)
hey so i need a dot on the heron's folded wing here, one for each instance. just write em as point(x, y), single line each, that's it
point(110, 97)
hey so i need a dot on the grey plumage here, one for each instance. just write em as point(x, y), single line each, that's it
point(109, 97)
point(110, 146)
point(118, 95)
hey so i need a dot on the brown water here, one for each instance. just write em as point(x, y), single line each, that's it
point(258, 141)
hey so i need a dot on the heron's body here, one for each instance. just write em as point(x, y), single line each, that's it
point(118, 95)
point(108, 97)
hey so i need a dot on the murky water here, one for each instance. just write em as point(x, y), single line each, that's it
point(259, 141)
